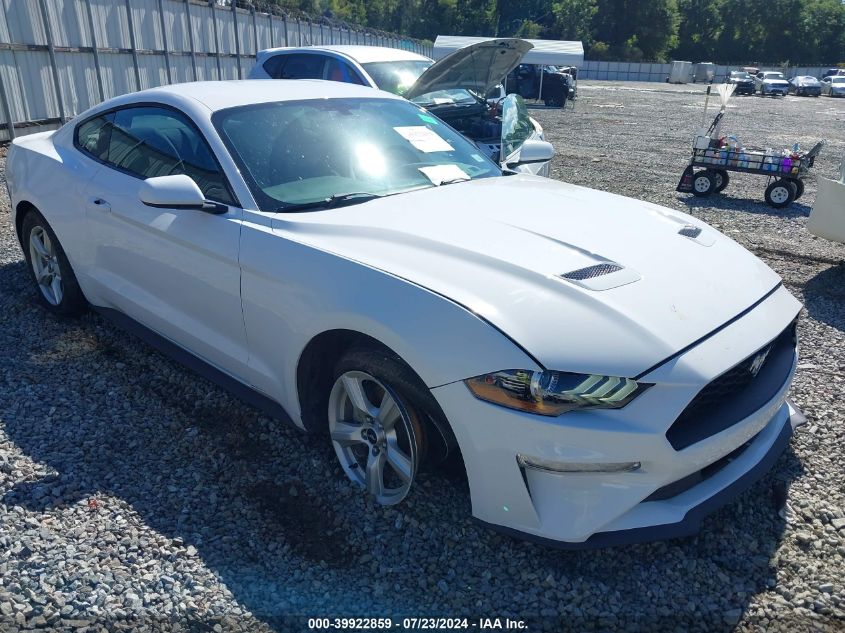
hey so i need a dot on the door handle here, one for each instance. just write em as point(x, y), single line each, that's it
point(99, 203)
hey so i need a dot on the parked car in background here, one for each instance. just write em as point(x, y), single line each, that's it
point(805, 85)
point(770, 82)
point(833, 86)
point(454, 88)
point(742, 80)
point(608, 370)
point(832, 72)
point(558, 83)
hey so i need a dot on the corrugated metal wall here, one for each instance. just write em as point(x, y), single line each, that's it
point(60, 57)
point(633, 71)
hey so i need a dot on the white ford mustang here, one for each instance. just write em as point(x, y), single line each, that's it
point(609, 370)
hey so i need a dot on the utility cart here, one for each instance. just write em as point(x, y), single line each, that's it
point(715, 156)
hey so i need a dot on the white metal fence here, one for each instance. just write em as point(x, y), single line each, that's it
point(633, 71)
point(60, 57)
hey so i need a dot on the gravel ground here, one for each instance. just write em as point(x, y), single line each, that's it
point(134, 494)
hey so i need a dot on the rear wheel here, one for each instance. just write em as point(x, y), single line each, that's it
point(703, 183)
point(49, 268)
point(721, 180)
point(780, 193)
point(799, 187)
point(374, 424)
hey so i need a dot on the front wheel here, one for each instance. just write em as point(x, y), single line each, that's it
point(374, 424)
point(703, 183)
point(49, 268)
point(780, 193)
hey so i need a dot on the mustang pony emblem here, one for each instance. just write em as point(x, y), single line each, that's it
point(759, 360)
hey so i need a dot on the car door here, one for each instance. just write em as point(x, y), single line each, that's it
point(175, 271)
point(826, 85)
point(338, 70)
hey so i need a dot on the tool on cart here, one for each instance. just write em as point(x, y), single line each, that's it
point(827, 218)
point(717, 155)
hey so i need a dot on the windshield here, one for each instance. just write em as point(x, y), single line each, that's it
point(773, 76)
point(298, 152)
point(398, 76)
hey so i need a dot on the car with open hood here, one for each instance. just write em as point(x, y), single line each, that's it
point(771, 82)
point(608, 369)
point(455, 88)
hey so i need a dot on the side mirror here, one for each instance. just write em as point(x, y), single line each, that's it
point(534, 151)
point(171, 192)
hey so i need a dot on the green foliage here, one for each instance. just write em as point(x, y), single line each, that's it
point(806, 32)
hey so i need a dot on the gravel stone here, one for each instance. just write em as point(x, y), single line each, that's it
point(135, 495)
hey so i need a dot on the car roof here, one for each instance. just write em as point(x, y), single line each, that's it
point(219, 95)
point(361, 54)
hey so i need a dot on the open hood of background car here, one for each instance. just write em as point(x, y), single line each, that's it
point(478, 67)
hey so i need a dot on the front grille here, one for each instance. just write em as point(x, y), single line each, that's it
point(737, 393)
point(591, 271)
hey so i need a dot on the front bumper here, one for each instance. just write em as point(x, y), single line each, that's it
point(775, 90)
point(594, 509)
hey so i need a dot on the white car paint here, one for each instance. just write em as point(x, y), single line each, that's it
point(460, 281)
point(480, 67)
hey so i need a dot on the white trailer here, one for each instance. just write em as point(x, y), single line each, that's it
point(680, 73)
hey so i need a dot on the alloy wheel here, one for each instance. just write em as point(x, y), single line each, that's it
point(45, 265)
point(374, 436)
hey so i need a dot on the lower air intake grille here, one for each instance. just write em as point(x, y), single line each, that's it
point(591, 271)
point(737, 393)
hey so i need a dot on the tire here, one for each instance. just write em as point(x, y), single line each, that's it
point(703, 183)
point(780, 193)
point(799, 187)
point(375, 414)
point(58, 291)
point(721, 180)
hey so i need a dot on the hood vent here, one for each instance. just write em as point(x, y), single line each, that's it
point(591, 272)
point(690, 231)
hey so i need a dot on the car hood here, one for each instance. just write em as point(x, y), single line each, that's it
point(478, 67)
point(638, 290)
point(776, 82)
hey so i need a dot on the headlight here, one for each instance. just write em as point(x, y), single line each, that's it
point(554, 392)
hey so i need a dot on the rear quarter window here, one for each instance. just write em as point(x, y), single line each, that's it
point(93, 136)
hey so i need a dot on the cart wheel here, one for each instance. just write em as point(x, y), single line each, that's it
point(721, 178)
point(780, 193)
point(799, 187)
point(703, 183)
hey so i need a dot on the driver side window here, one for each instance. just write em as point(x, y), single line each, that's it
point(148, 141)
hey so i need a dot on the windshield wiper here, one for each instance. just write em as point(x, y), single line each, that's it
point(332, 202)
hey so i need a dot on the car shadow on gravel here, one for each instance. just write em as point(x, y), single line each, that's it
point(124, 431)
point(824, 296)
point(745, 205)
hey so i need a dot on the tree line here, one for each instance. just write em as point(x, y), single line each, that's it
point(798, 32)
